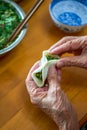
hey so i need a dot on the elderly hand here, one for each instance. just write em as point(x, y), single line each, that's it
point(75, 45)
point(52, 100)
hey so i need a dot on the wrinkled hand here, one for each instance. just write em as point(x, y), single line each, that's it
point(51, 99)
point(75, 45)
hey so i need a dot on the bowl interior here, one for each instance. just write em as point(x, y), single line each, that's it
point(69, 12)
point(22, 33)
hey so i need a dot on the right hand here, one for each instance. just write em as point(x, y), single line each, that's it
point(52, 100)
point(74, 45)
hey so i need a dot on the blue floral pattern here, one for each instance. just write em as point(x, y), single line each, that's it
point(70, 18)
point(69, 15)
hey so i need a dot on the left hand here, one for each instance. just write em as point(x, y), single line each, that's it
point(74, 45)
point(52, 100)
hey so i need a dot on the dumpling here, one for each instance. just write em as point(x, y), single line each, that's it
point(40, 74)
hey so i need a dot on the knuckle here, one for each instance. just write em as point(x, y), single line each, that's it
point(33, 101)
point(84, 43)
point(84, 63)
point(34, 93)
point(65, 38)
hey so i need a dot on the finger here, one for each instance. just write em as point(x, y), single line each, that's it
point(52, 75)
point(69, 46)
point(31, 86)
point(35, 66)
point(78, 61)
point(62, 41)
point(53, 80)
point(59, 74)
point(36, 94)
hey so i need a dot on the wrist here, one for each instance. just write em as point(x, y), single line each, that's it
point(63, 120)
point(66, 122)
point(69, 125)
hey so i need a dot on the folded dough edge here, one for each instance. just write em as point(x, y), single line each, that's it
point(40, 74)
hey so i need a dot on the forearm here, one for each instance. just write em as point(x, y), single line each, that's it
point(66, 122)
point(69, 125)
point(63, 120)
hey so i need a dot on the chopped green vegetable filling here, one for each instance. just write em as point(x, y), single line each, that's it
point(9, 20)
point(39, 75)
point(51, 57)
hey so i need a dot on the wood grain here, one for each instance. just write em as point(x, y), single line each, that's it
point(16, 110)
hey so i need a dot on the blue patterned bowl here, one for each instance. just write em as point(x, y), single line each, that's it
point(69, 15)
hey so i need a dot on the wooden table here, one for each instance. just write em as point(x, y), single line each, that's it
point(16, 110)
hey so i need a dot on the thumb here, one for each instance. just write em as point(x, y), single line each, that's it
point(54, 76)
point(78, 61)
point(53, 81)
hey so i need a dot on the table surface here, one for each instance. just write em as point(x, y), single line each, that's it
point(16, 110)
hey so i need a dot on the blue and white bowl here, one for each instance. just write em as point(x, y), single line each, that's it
point(69, 15)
